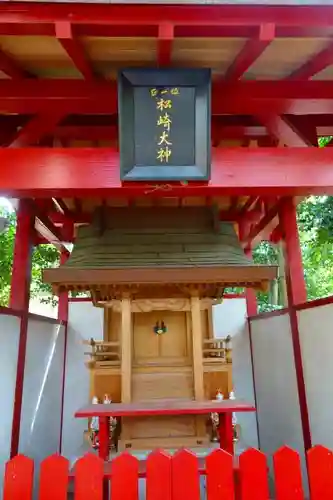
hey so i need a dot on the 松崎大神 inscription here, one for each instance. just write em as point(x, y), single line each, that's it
point(164, 124)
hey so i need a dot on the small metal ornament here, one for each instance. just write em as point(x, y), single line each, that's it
point(160, 328)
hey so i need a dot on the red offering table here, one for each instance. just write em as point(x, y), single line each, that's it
point(180, 407)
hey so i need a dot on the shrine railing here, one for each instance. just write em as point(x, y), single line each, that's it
point(217, 350)
point(103, 354)
point(173, 478)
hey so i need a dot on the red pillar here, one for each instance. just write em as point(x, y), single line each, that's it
point(68, 233)
point(250, 294)
point(21, 274)
point(63, 296)
point(293, 256)
point(296, 291)
point(19, 300)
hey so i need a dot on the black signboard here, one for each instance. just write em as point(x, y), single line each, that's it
point(164, 124)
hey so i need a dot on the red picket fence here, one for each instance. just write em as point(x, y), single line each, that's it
point(174, 478)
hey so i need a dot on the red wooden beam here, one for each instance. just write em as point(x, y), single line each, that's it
point(98, 97)
point(11, 68)
point(74, 49)
point(36, 129)
point(81, 172)
point(206, 16)
point(45, 227)
point(252, 49)
point(248, 204)
point(61, 205)
point(19, 300)
point(262, 224)
point(314, 65)
point(164, 44)
point(284, 131)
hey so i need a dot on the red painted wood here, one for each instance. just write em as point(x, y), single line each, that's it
point(257, 228)
point(19, 299)
point(250, 294)
point(243, 97)
point(8, 311)
point(291, 17)
point(18, 483)
point(320, 473)
point(284, 131)
point(164, 44)
point(89, 478)
point(11, 68)
point(74, 49)
point(20, 286)
point(226, 433)
point(314, 303)
point(294, 267)
point(253, 474)
point(125, 477)
point(220, 476)
point(185, 476)
point(63, 306)
point(104, 437)
point(296, 291)
point(315, 64)
point(38, 127)
point(83, 172)
point(163, 407)
point(287, 474)
point(250, 52)
point(159, 484)
point(253, 377)
point(53, 479)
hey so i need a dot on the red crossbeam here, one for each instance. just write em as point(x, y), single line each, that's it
point(183, 15)
point(314, 65)
point(36, 129)
point(241, 97)
point(11, 68)
point(252, 49)
point(164, 44)
point(284, 131)
point(74, 49)
point(238, 171)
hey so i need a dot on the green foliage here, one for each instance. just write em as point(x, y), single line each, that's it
point(315, 224)
point(43, 256)
point(315, 219)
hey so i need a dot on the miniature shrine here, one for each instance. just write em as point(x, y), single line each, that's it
point(155, 146)
point(157, 274)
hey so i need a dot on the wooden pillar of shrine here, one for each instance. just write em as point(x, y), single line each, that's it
point(296, 291)
point(197, 340)
point(19, 300)
point(126, 350)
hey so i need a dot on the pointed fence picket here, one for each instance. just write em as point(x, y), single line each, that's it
point(173, 478)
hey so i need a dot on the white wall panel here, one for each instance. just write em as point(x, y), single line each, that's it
point(85, 321)
point(229, 318)
point(9, 341)
point(316, 336)
point(276, 388)
point(42, 390)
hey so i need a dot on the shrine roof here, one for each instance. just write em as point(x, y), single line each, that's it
point(165, 246)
